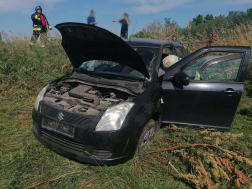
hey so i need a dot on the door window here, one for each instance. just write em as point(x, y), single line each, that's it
point(167, 50)
point(214, 66)
point(180, 52)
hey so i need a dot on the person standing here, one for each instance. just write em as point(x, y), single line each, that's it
point(125, 25)
point(91, 19)
point(40, 27)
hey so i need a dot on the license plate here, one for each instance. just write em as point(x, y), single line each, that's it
point(58, 127)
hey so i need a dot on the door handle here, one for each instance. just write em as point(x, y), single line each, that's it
point(230, 91)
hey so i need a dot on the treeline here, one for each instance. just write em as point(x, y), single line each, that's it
point(199, 26)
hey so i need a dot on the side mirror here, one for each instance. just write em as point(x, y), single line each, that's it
point(181, 78)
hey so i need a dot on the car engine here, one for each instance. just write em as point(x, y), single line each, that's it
point(81, 98)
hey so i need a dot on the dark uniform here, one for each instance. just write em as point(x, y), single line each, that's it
point(40, 27)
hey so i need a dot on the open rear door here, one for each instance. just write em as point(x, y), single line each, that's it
point(213, 94)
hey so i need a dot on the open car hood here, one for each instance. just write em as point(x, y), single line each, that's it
point(84, 42)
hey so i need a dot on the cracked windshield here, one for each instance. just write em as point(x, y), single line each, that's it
point(148, 56)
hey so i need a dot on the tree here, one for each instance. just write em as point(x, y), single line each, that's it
point(249, 13)
point(169, 22)
point(237, 17)
point(142, 34)
point(154, 29)
point(198, 20)
point(208, 17)
point(200, 27)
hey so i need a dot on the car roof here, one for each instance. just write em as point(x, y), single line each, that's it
point(150, 42)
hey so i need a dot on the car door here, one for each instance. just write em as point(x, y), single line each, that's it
point(214, 90)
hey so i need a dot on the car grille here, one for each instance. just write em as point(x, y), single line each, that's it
point(63, 142)
point(64, 116)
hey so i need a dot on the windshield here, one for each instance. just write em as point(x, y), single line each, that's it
point(148, 55)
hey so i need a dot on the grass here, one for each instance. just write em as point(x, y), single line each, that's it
point(24, 162)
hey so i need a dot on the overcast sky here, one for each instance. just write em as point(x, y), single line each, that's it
point(15, 14)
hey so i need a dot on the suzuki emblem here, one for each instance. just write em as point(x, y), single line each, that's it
point(60, 116)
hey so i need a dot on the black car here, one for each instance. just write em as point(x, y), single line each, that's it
point(115, 100)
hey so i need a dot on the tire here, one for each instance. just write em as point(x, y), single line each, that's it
point(146, 135)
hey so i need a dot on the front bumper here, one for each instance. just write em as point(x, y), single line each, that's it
point(86, 145)
point(79, 151)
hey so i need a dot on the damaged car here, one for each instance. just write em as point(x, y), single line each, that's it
point(120, 92)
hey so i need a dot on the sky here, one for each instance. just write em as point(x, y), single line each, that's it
point(15, 14)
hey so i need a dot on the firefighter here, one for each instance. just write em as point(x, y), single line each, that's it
point(167, 62)
point(40, 27)
point(172, 59)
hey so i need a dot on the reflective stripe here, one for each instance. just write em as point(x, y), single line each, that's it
point(197, 76)
point(36, 17)
point(37, 27)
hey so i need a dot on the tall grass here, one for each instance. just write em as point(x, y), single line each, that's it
point(24, 162)
point(21, 65)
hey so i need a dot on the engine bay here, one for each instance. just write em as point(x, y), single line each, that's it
point(81, 98)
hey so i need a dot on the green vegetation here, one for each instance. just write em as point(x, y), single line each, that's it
point(200, 26)
point(219, 161)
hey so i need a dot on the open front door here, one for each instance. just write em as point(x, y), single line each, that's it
point(214, 91)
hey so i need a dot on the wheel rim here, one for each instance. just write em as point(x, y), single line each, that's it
point(147, 138)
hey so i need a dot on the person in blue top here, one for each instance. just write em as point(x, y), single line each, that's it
point(91, 18)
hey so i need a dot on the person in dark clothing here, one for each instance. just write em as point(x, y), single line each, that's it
point(40, 27)
point(125, 25)
point(91, 18)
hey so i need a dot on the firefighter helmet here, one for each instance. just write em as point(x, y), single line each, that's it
point(38, 8)
point(169, 60)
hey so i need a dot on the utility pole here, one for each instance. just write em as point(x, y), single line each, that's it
point(0, 37)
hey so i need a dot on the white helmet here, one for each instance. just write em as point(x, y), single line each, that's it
point(169, 60)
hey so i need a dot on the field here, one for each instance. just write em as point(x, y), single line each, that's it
point(177, 157)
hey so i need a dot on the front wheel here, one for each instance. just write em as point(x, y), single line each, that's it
point(147, 135)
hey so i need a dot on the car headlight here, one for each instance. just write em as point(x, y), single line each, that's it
point(40, 97)
point(114, 116)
